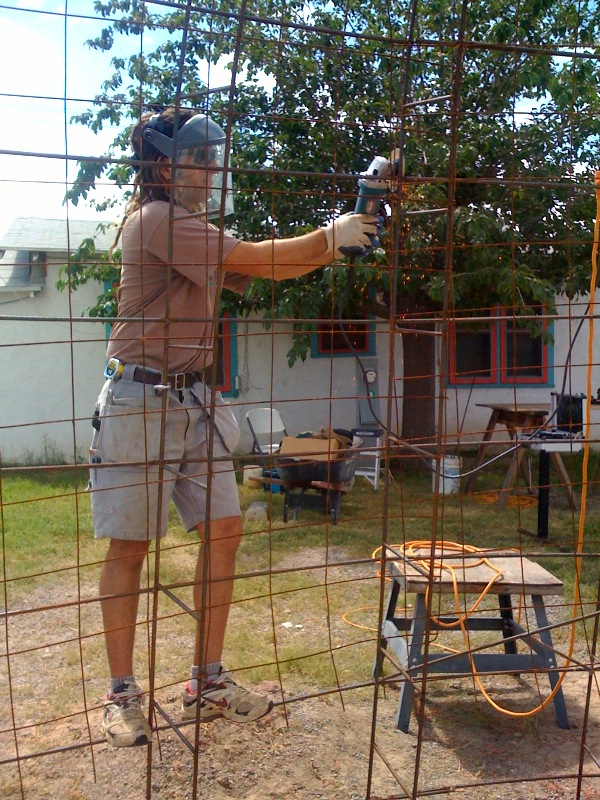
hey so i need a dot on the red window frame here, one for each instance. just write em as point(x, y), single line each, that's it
point(499, 331)
point(224, 354)
point(331, 329)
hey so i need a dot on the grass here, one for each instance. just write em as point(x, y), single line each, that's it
point(46, 520)
point(291, 618)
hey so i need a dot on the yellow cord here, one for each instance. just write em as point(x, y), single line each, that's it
point(577, 604)
point(369, 628)
point(365, 608)
point(523, 501)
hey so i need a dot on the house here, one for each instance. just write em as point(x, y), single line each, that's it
point(53, 355)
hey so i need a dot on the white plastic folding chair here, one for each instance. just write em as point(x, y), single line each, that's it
point(369, 461)
point(267, 429)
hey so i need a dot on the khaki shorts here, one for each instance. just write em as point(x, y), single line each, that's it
point(127, 486)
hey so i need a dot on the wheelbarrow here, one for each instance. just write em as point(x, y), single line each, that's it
point(315, 482)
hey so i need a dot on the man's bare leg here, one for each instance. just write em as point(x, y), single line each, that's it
point(121, 573)
point(123, 721)
point(213, 591)
point(224, 539)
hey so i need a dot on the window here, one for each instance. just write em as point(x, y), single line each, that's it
point(473, 345)
point(500, 351)
point(524, 358)
point(226, 357)
point(335, 339)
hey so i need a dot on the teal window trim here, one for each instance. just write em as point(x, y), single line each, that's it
point(230, 357)
point(107, 287)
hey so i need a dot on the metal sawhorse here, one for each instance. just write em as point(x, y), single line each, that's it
point(519, 577)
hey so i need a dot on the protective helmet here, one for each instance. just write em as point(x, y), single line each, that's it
point(204, 140)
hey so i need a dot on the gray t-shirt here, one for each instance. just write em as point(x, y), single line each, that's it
point(176, 303)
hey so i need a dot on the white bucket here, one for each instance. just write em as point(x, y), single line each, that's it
point(252, 477)
point(449, 475)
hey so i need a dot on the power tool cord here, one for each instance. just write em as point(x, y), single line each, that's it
point(423, 454)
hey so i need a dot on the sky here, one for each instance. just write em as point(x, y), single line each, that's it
point(42, 62)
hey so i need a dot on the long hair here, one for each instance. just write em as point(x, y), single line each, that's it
point(149, 184)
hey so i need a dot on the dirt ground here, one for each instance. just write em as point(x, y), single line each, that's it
point(322, 751)
point(313, 748)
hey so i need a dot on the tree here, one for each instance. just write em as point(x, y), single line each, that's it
point(324, 91)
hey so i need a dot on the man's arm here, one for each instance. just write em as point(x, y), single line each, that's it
point(279, 259)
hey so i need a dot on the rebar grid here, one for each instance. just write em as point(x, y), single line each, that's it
point(308, 567)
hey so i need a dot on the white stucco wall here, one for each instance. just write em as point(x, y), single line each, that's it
point(51, 372)
point(313, 393)
point(467, 419)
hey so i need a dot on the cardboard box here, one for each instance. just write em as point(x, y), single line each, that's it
point(307, 449)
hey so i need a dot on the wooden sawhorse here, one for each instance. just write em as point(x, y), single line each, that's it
point(519, 577)
point(517, 419)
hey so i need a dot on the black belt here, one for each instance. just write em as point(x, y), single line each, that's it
point(178, 381)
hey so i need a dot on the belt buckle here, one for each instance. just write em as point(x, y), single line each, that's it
point(179, 381)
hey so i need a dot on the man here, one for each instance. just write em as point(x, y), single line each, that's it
point(154, 439)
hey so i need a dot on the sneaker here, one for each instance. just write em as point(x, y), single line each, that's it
point(123, 720)
point(222, 697)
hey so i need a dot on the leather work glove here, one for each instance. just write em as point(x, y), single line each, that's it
point(352, 234)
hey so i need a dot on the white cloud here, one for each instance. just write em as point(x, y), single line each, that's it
point(35, 4)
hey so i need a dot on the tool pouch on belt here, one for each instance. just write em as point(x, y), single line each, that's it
point(127, 425)
point(222, 415)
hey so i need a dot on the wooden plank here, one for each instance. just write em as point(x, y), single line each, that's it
point(524, 408)
point(519, 575)
point(331, 487)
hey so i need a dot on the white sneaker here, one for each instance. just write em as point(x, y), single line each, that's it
point(123, 720)
point(222, 697)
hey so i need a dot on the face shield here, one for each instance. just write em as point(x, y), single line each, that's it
point(203, 141)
